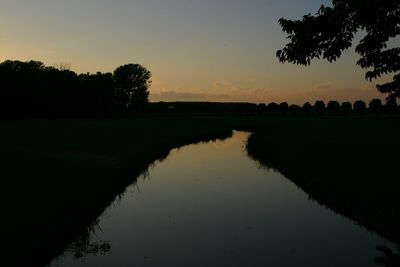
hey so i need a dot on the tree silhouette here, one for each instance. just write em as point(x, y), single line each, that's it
point(333, 107)
point(346, 107)
point(359, 106)
point(391, 106)
point(97, 93)
point(283, 108)
point(375, 106)
point(62, 92)
point(131, 84)
point(272, 107)
point(20, 87)
point(332, 29)
point(307, 107)
point(319, 107)
point(294, 109)
point(32, 89)
point(261, 108)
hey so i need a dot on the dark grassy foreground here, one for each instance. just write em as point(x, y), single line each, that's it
point(350, 165)
point(57, 176)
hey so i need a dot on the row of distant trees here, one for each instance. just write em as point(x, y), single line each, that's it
point(359, 107)
point(33, 89)
point(319, 108)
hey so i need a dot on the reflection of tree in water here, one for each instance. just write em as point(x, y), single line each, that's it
point(389, 258)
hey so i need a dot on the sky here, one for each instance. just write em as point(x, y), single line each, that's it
point(208, 50)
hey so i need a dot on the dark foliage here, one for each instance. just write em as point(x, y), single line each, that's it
point(261, 108)
point(319, 107)
point(333, 107)
point(131, 83)
point(359, 107)
point(96, 93)
point(332, 29)
point(272, 107)
point(375, 106)
point(391, 106)
point(307, 107)
point(294, 109)
point(346, 107)
point(32, 89)
point(283, 108)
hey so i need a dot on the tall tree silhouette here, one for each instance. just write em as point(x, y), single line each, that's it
point(131, 84)
point(20, 87)
point(331, 31)
point(32, 89)
point(97, 93)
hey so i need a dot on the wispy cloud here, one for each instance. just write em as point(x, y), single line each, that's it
point(222, 91)
point(172, 95)
point(323, 86)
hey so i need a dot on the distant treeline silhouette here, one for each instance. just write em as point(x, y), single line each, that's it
point(33, 89)
point(319, 108)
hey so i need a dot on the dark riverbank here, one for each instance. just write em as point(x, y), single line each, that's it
point(210, 204)
point(59, 175)
point(349, 165)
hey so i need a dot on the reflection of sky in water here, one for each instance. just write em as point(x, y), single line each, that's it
point(210, 205)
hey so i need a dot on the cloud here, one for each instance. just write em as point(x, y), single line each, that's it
point(172, 95)
point(249, 87)
point(219, 91)
point(323, 86)
point(227, 86)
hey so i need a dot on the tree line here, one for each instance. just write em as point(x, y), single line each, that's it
point(319, 108)
point(33, 89)
point(359, 107)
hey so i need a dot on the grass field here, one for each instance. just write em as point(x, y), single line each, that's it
point(350, 165)
point(57, 176)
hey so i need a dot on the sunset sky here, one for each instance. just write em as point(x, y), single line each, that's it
point(213, 50)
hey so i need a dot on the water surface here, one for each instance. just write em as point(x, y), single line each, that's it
point(209, 204)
